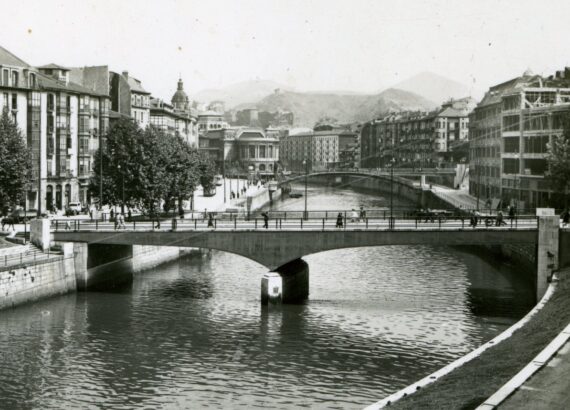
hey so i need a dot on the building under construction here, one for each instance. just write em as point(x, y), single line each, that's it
point(509, 133)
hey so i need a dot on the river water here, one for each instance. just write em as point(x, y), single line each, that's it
point(191, 334)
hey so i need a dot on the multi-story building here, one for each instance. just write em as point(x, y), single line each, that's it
point(128, 97)
point(509, 134)
point(418, 139)
point(178, 118)
point(63, 123)
point(315, 150)
point(246, 149)
point(209, 121)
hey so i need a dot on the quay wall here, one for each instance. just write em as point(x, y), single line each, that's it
point(80, 267)
point(37, 280)
point(261, 198)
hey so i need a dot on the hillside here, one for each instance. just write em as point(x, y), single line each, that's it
point(434, 87)
point(244, 93)
point(310, 107)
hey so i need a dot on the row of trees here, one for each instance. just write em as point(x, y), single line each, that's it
point(15, 163)
point(146, 168)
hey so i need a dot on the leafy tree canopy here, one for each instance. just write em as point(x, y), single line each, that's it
point(15, 162)
point(147, 168)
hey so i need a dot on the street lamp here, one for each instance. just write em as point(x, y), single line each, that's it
point(305, 213)
point(391, 165)
point(122, 190)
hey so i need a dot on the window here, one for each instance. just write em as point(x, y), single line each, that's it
point(14, 78)
point(14, 101)
point(510, 166)
point(252, 151)
point(511, 144)
point(5, 78)
point(262, 151)
point(32, 80)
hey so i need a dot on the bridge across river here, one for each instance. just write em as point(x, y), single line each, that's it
point(281, 244)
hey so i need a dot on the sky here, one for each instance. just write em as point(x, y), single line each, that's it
point(356, 45)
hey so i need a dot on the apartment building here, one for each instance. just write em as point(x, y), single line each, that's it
point(509, 132)
point(63, 123)
point(315, 150)
point(418, 139)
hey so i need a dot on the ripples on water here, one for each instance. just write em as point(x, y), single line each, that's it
point(192, 334)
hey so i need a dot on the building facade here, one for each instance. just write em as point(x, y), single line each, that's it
point(242, 150)
point(315, 150)
point(418, 139)
point(178, 119)
point(510, 130)
point(63, 123)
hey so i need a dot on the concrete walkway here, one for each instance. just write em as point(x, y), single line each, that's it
point(456, 197)
point(549, 388)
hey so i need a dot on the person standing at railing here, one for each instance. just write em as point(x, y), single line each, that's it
point(500, 220)
point(339, 220)
point(210, 220)
point(473, 219)
point(121, 218)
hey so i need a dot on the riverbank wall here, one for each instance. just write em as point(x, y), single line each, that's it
point(31, 281)
point(80, 267)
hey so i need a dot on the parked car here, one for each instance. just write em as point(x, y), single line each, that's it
point(73, 208)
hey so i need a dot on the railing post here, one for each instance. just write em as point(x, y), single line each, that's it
point(276, 223)
point(301, 223)
point(439, 222)
point(366, 223)
point(323, 224)
point(462, 223)
point(416, 219)
point(280, 226)
point(215, 224)
point(97, 224)
point(195, 224)
point(235, 224)
point(173, 224)
point(255, 223)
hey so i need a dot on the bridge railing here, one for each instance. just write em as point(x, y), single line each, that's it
point(344, 221)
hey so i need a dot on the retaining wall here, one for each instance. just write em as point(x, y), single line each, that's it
point(30, 282)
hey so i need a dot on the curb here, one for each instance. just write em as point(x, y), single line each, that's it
point(528, 371)
point(411, 389)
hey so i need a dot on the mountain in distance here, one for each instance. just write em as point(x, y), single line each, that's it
point(308, 108)
point(434, 87)
point(239, 94)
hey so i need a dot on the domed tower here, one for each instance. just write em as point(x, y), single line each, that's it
point(180, 100)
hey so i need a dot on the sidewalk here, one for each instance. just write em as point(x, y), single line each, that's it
point(548, 388)
point(455, 197)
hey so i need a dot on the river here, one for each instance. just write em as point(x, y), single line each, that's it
point(191, 334)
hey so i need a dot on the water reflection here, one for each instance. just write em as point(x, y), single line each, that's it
point(192, 334)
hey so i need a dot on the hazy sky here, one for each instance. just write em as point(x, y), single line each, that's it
point(357, 45)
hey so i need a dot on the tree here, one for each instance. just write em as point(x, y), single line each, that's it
point(121, 164)
point(148, 168)
point(15, 162)
point(558, 160)
point(207, 172)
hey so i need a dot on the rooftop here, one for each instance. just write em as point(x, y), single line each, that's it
point(7, 58)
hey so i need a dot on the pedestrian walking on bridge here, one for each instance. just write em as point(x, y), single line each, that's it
point(265, 220)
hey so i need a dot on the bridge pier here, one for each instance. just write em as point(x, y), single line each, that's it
point(287, 284)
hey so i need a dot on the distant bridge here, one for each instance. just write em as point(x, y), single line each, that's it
point(403, 176)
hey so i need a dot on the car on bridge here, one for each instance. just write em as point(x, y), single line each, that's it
point(433, 214)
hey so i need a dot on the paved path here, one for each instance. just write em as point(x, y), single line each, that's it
point(456, 197)
point(547, 389)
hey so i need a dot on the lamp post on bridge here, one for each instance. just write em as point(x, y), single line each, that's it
point(391, 165)
point(305, 213)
